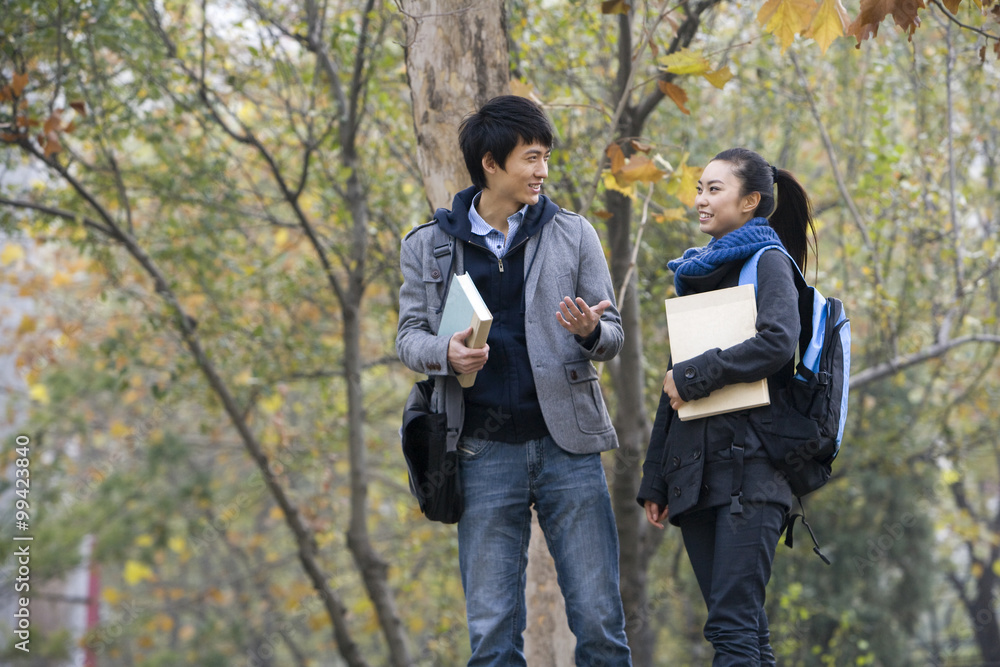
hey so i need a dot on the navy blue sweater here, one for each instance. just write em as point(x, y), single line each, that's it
point(502, 404)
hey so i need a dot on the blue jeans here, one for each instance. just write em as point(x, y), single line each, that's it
point(732, 555)
point(570, 494)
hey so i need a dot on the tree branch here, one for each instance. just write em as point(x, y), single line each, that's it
point(901, 363)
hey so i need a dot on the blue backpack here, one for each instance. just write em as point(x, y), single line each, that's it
point(808, 417)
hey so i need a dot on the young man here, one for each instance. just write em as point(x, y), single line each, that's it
point(534, 423)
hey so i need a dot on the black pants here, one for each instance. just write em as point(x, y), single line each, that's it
point(731, 555)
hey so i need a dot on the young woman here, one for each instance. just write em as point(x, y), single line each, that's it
point(711, 476)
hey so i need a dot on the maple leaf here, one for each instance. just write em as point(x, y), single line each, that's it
point(786, 18)
point(828, 24)
point(18, 82)
point(640, 169)
point(719, 77)
point(614, 7)
point(676, 93)
point(617, 157)
point(685, 62)
point(873, 12)
point(611, 183)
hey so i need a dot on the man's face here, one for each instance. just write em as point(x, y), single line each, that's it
point(519, 182)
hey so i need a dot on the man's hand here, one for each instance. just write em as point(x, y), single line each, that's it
point(464, 359)
point(579, 318)
point(670, 389)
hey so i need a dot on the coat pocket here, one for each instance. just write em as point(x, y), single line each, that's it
point(588, 401)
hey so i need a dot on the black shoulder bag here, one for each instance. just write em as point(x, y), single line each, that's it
point(433, 470)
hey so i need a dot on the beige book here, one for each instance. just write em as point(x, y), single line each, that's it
point(464, 306)
point(717, 319)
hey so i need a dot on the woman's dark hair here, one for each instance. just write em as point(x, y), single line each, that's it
point(792, 217)
point(496, 128)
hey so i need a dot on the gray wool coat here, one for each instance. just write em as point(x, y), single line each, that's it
point(564, 259)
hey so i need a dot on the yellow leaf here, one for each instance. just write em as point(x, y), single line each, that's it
point(676, 93)
point(38, 392)
point(683, 183)
point(176, 544)
point(18, 82)
point(639, 169)
point(120, 430)
point(688, 190)
point(614, 7)
point(786, 18)
point(522, 89)
point(719, 77)
point(144, 541)
point(676, 214)
point(244, 379)
point(828, 24)
point(111, 595)
point(28, 324)
point(611, 183)
point(950, 476)
point(11, 253)
point(272, 403)
point(280, 237)
point(61, 279)
point(617, 157)
point(161, 622)
point(685, 62)
point(136, 572)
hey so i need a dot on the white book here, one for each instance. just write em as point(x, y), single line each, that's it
point(463, 307)
point(717, 319)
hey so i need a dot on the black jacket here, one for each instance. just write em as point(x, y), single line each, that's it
point(689, 465)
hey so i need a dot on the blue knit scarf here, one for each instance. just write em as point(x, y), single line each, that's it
point(738, 244)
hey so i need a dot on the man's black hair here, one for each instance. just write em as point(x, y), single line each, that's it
point(496, 128)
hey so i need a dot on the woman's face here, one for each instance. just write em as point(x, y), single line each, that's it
point(721, 209)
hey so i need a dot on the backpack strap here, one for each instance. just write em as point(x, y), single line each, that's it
point(738, 450)
point(444, 247)
point(748, 274)
point(788, 526)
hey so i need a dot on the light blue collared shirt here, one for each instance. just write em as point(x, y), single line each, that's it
point(495, 240)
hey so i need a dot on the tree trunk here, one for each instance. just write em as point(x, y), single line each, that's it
point(632, 425)
point(456, 59)
point(548, 639)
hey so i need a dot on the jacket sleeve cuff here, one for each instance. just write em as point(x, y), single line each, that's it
point(653, 486)
point(697, 377)
point(590, 341)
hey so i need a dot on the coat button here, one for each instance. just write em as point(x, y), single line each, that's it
point(689, 372)
point(704, 487)
point(697, 454)
point(677, 491)
point(677, 461)
point(435, 274)
point(572, 375)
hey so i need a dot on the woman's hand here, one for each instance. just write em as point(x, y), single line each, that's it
point(670, 389)
point(655, 514)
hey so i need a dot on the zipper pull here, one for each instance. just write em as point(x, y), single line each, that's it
point(500, 262)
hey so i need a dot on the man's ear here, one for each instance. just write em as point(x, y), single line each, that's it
point(490, 165)
point(751, 201)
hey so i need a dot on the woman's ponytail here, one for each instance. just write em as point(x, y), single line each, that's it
point(792, 218)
